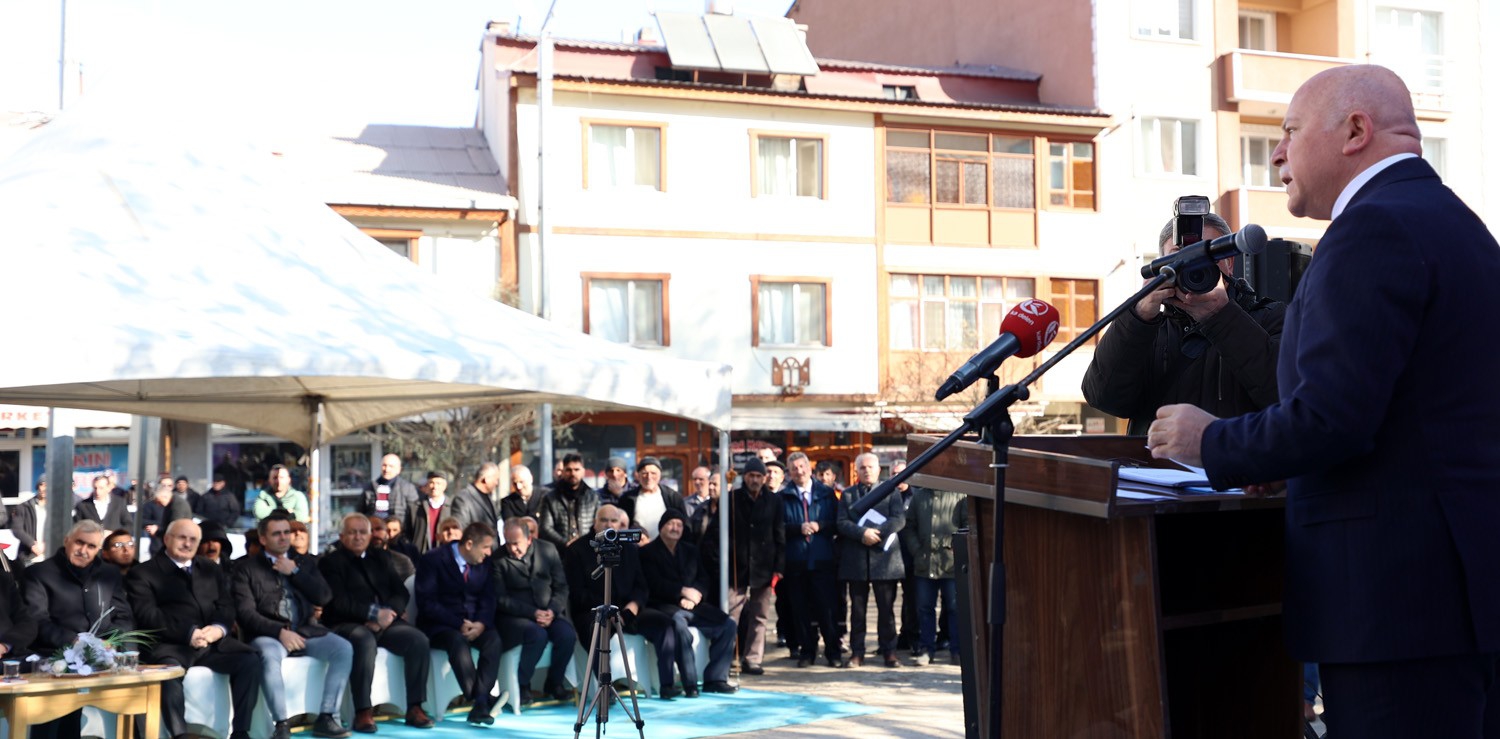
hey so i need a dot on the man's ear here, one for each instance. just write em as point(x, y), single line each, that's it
point(1358, 132)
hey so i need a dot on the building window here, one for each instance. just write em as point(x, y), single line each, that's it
point(1257, 30)
point(623, 156)
point(789, 165)
point(790, 311)
point(978, 170)
point(1410, 43)
point(1070, 174)
point(1435, 151)
point(626, 309)
point(951, 312)
point(1256, 145)
point(402, 242)
point(1169, 146)
point(1014, 171)
point(1165, 18)
point(899, 92)
point(1078, 302)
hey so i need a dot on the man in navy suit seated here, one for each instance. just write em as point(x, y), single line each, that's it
point(456, 597)
point(531, 595)
point(1387, 427)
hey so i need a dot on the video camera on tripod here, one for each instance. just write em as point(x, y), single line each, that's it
point(607, 545)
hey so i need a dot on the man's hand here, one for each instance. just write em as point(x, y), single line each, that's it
point(693, 594)
point(1177, 433)
point(1148, 308)
point(1200, 307)
point(633, 607)
point(870, 537)
point(1266, 490)
point(809, 528)
point(150, 529)
point(384, 617)
point(205, 636)
point(543, 617)
point(39, 549)
point(292, 640)
point(285, 565)
point(471, 630)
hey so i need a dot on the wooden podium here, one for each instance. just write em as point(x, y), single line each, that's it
point(1126, 618)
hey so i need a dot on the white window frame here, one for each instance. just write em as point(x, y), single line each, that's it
point(591, 181)
point(797, 284)
point(1161, 20)
point(1149, 139)
point(1435, 151)
point(1250, 134)
point(1424, 72)
point(820, 178)
point(663, 331)
point(1268, 19)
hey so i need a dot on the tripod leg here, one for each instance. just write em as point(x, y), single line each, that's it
point(617, 625)
point(597, 649)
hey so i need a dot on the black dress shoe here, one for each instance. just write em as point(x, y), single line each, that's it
point(328, 726)
point(480, 715)
point(418, 718)
point(281, 730)
point(719, 686)
point(527, 697)
point(560, 693)
point(853, 661)
point(805, 662)
point(691, 691)
point(670, 692)
point(364, 721)
point(754, 670)
point(891, 661)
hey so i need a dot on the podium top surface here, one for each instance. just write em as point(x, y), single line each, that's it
point(1077, 474)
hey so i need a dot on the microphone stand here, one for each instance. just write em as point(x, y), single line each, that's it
point(992, 415)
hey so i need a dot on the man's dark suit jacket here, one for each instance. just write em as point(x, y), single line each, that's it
point(358, 584)
point(403, 497)
point(18, 625)
point(584, 592)
point(525, 585)
point(668, 572)
point(442, 592)
point(670, 498)
point(258, 594)
point(415, 526)
point(1387, 431)
point(114, 515)
point(173, 603)
point(470, 505)
point(23, 525)
point(66, 601)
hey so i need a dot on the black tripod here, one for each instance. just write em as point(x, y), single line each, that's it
point(607, 623)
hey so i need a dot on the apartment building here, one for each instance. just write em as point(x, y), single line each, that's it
point(843, 233)
point(1195, 89)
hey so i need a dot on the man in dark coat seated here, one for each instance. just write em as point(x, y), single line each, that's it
point(275, 593)
point(531, 598)
point(457, 612)
point(585, 592)
point(367, 607)
point(66, 594)
point(673, 579)
point(187, 602)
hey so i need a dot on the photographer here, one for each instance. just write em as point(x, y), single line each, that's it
point(1216, 349)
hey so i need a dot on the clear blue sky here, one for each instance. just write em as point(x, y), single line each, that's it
point(287, 63)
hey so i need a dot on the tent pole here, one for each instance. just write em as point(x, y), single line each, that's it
point(544, 442)
point(60, 432)
point(315, 481)
point(726, 463)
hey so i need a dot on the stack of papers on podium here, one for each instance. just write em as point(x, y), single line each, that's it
point(1153, 483)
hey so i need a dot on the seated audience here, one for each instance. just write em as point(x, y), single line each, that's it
point(676, 591)
point(457, 612)
point(531, 602)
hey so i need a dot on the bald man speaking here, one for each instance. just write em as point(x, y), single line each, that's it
point(1388, 426)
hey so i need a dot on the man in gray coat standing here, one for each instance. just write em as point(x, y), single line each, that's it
point(870, 559)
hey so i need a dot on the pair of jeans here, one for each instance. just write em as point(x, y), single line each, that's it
point(928, 592)
point(330, 648)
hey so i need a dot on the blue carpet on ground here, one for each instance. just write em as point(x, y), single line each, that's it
point(709, 715)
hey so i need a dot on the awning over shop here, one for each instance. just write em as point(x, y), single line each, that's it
point(805, 419)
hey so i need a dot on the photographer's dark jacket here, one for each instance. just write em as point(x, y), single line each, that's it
point(260, 593)
point(1139, 366)
point(580, 560)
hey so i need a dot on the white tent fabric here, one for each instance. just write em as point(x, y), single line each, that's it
point(149, 274)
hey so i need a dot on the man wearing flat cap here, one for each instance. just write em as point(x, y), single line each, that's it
point(646, 504)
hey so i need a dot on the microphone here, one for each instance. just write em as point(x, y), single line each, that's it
point(1026, 330)
point(1249, 240)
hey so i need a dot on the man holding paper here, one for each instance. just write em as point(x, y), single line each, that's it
point(869, 559)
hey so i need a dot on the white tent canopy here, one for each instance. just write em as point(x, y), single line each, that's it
point(168, 279)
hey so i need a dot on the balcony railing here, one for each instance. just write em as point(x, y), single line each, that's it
point(1262, 82)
